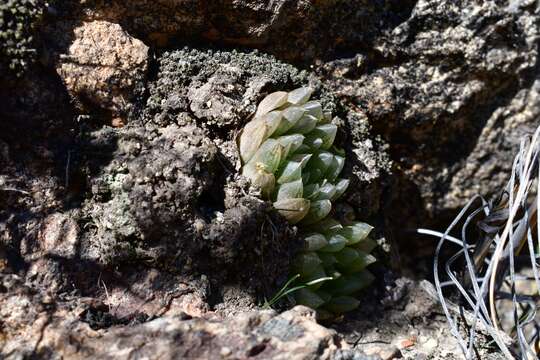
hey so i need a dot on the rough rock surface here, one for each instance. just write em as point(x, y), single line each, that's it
point(34, 324)
point(453, 89)
point(119, 226)
point(296, 30)
point(103, 66)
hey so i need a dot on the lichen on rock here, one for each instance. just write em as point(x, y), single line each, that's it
point(18, 22)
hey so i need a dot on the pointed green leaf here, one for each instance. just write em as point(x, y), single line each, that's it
point(272, 120)
point(314, 108)
point(367, 245)
point(361, 263)
point(326, 191)
point(340, 188)
point(318, 273)
point(290, 190)
point(321, 160)
point(291, 171)
point(291, 115)
point(318, 210)
point(356, 232)
point(313, 141)
point(326, 132)
point(251, 138)
point(300, 96)
point(336, 242)
point(268, 156)
point(306, 124)
point(308, 298)
point(290, 143)
point(324, 295)
point(303, 159)
point(271, 102)
point(293, 210)
point(328, 259)
point(314, 241)
point(311, 191)
point(346, 257)
point(326, 226)
point(350, 284)
point(306, 263)
point(260, 178)
point(335, 167)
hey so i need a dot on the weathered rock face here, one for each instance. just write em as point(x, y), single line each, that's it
point(103, 66)
point(444, 89)
point(118, 226)
point(295, 30)
point(36, 325)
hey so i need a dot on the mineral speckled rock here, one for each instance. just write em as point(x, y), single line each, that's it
point(452, 90)
point(102, 66)
point(296, 30)
point(34, 324)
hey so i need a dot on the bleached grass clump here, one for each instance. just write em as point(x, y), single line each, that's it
point(287, 150)
point(494, 274)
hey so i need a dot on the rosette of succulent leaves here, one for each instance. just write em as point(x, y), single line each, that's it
point(287, 151)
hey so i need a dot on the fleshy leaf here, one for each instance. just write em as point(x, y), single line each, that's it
point(366, 245)
point(356, 232)
point(313, 141)
point(347, 256)
point(290, 190)
point(300, 96)
point(269, 155)
point(314, 241)
point(251, 138)
point(314, 108)
point(326, 132)
point(317, 273)
point(328, 259)
point(326, 226)
point(340, 188)
point(260, 178)
point(306, 263)
point(290, 143)
point(308, 298)
point(291, 171)
point(306, 124)
point(303, 159)
point(335, 168)
point(293, 210)
point(291, 115)
point(324, 295)
point(311, 191)
point(350, 284)
point(336, 243)
point(326, 191)
point(361, 263)
point(272, 120)
point(271, 102)
point(318, 210)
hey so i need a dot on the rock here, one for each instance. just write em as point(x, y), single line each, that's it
point(452, 89)
point(59, 236)
point(290, 29)
point(384, 352)
point(103, 66)
point(34, 326)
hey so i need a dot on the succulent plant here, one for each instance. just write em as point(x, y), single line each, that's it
point(287, 150)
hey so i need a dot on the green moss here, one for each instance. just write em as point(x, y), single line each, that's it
point(18, 23)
